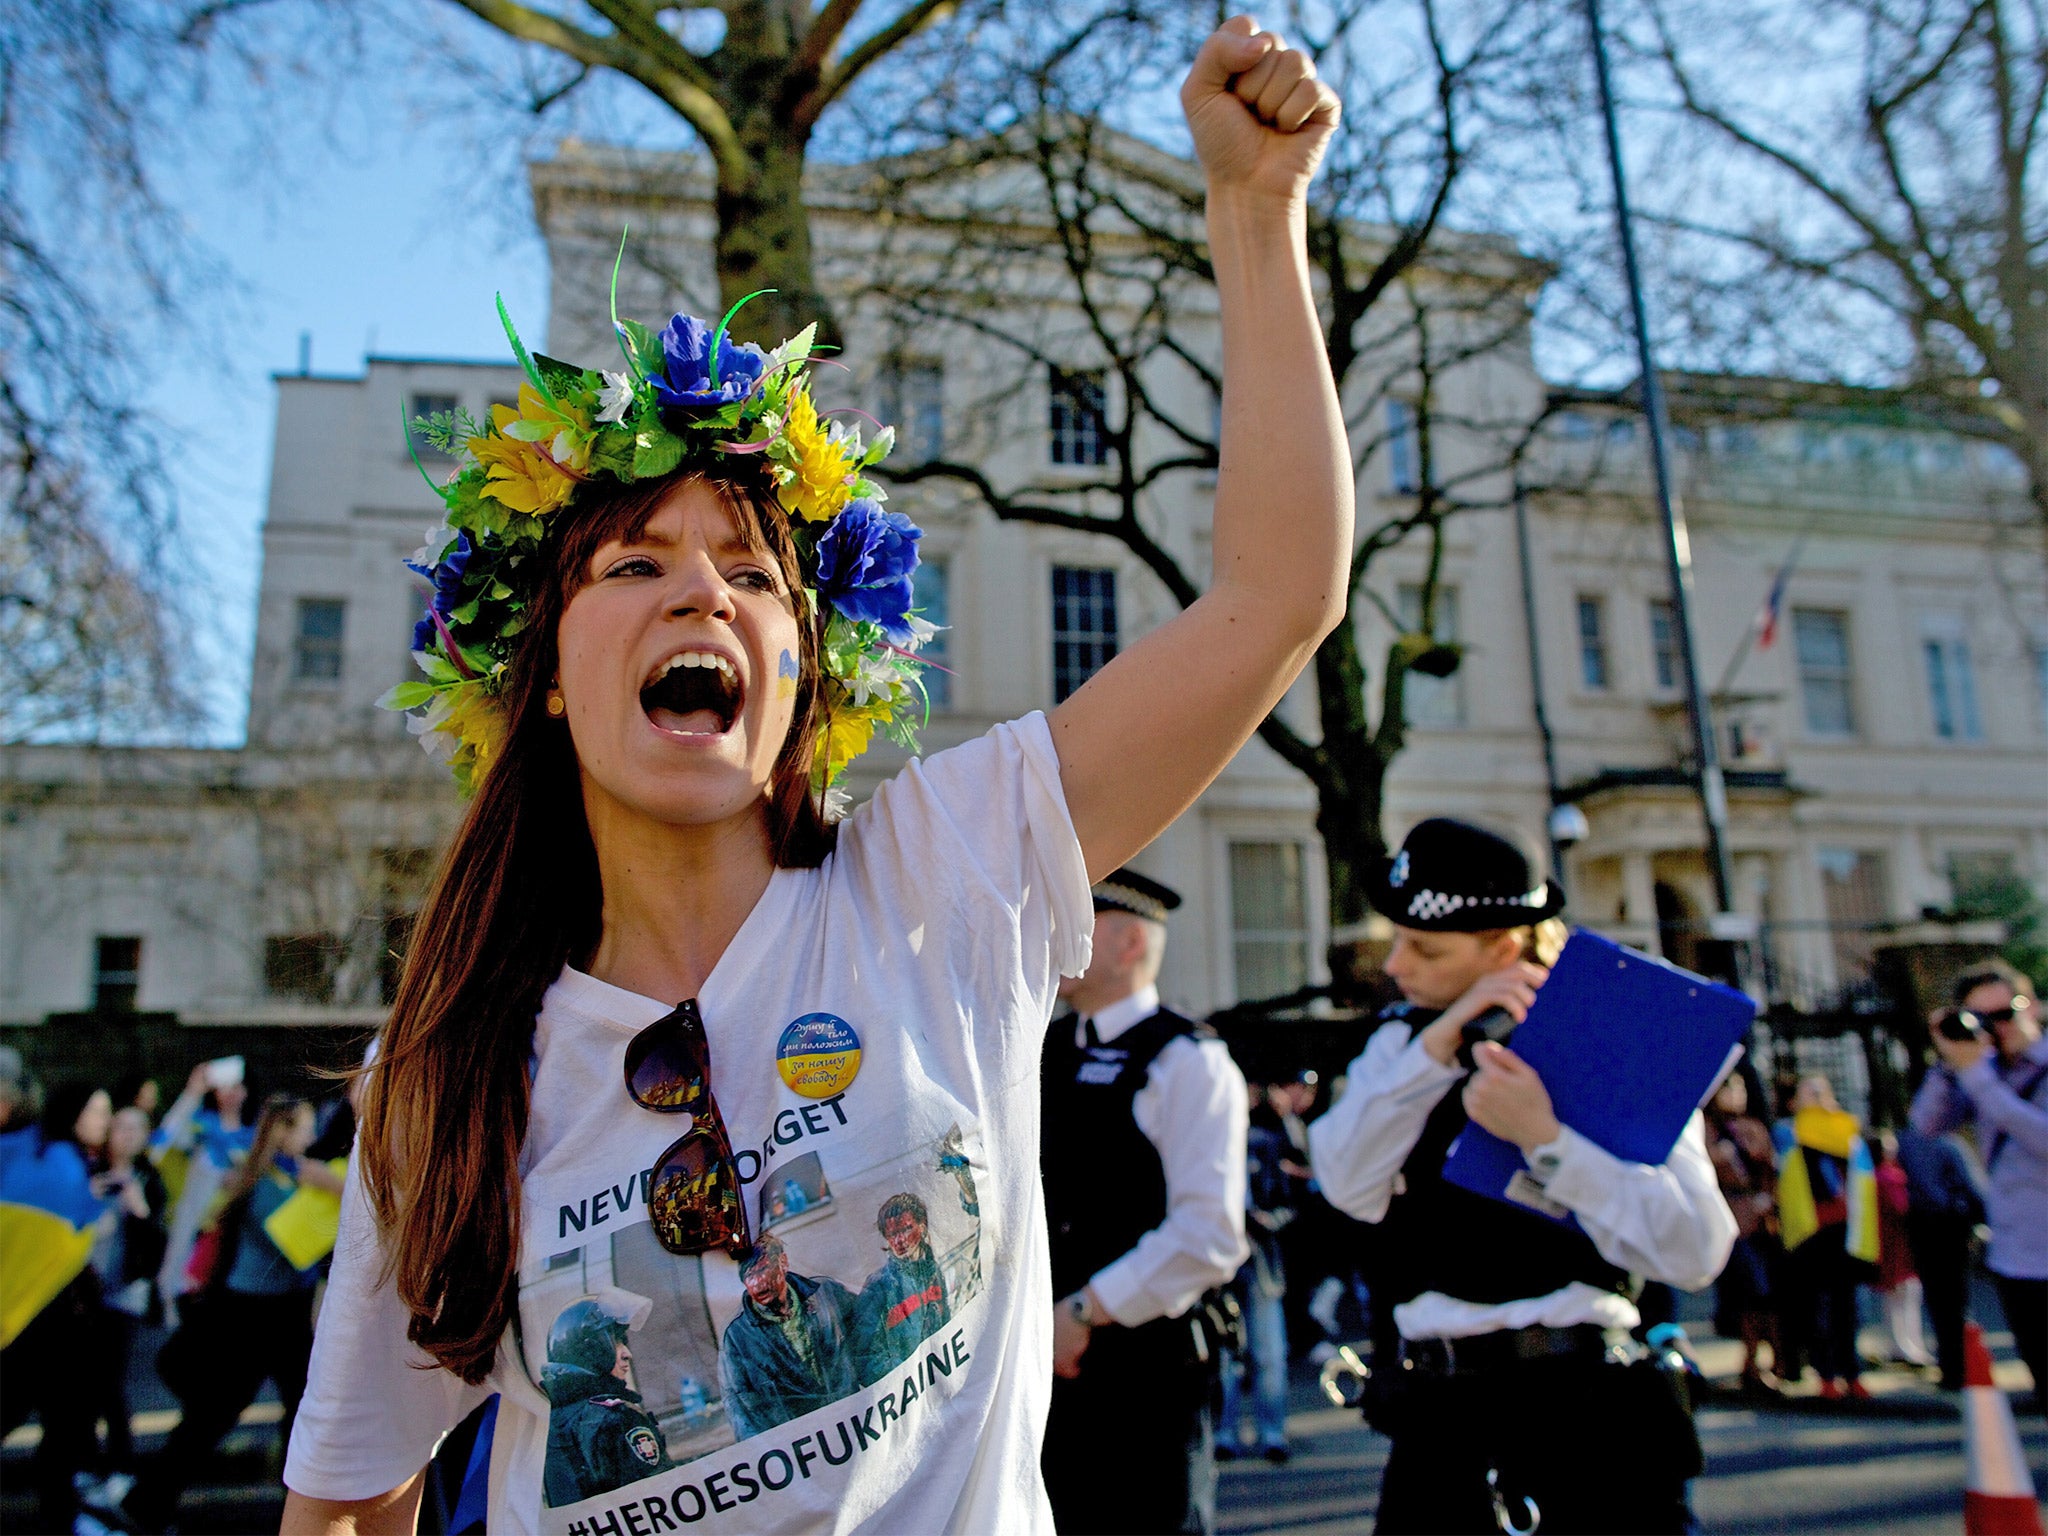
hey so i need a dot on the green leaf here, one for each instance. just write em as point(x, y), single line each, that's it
point(563, 378)
point(658, 457)
point(407, 696)
point(646, 348)
point(500, 591)
point(466, 614)
point(514, 625)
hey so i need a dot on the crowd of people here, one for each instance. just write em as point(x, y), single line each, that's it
point(195, 1257)
point(1827, 1207)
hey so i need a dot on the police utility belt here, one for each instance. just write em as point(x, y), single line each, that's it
point(1487, 1353)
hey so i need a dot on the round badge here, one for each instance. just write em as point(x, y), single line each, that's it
point(818, 1055)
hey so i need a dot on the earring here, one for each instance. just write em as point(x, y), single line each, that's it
point(556, 706)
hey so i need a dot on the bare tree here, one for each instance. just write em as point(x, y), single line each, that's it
point(1069, 257)
point(1855, 191)
point(92, 264)
point(751, 79)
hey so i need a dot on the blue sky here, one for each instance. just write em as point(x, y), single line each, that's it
point(364, 253)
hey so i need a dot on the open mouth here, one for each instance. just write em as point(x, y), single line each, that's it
point(693, 693)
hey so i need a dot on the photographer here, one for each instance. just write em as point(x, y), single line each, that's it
point(1504, 1394)
point(1994, 1071)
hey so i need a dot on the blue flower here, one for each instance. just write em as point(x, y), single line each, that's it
point(864, 563)
point(447, 593)
point(686, 383)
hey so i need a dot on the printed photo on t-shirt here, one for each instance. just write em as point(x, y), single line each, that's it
point(651, 1360)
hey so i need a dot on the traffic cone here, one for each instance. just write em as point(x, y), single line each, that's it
point(1999, 1498)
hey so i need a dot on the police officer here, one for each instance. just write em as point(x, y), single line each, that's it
point(599, 1436)
point(1492, 1367)
point(1143, 1150)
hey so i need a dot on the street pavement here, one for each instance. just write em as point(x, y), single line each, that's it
point(1894, 1465)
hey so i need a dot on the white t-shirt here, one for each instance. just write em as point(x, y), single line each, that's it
point(882, 1391)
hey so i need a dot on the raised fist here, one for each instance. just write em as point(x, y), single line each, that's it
point(1259, 115)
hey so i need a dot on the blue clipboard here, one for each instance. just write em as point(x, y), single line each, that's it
point(1628, 1046)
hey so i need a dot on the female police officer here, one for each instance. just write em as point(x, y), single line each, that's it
point(1493, 1375)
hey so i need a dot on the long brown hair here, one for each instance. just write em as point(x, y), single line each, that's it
point(518, 897)
point(272, 1126)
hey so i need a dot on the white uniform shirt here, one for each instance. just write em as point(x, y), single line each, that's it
point(1669, 1222)
point(1195, 1112)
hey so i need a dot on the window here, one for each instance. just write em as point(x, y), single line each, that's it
point(1079, 406)
point(913, 399)
point(1951, 683)
point(302, 965)
point(931, 600)
point(428, 405)
point(1431, 703)
point(1820, 637)
point(2041, 680)
point(1978, 877)
point(316, 650)
point(1666, 661)
point(1268, 919)
point(1593, 671)
point(1404, 449)
point(116, 974)
point(1083, 625)
point(1854, 888)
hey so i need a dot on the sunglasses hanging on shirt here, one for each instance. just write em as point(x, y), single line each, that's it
point(694, 1199)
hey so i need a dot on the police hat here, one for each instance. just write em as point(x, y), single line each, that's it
point(1126, 890)
point(586, 1335)
point(1453, 877)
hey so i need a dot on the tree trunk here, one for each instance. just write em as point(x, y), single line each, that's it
point(1349, 790)
point(764, 237)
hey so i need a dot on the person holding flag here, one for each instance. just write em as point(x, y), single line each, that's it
point(1827, 1209)
point(49, 1294)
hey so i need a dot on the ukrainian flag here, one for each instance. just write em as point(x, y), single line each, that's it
point(47, 1217)
point(1833, 1133)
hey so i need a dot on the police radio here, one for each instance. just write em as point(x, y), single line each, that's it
point(1495, 1024)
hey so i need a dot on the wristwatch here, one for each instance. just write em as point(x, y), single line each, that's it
point(1079, 1309)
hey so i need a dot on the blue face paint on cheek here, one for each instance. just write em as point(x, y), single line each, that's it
point(785, 677)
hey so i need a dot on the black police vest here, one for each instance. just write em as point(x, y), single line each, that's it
point(1104, 1184)
point(1437, 1236)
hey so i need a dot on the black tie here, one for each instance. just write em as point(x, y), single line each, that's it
point(1088, 1036)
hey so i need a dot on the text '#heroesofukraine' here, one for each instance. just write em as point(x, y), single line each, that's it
point(791, 1127)
point(772, 1471)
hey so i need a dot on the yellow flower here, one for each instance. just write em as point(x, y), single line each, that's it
point(519, 475)
point(819, 487)
point(846, 735)
point(478, 721)
point(565, 429)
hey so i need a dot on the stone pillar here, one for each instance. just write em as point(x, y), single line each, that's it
point(1639, 892)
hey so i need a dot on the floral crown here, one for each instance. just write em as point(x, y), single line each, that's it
point(688, 396)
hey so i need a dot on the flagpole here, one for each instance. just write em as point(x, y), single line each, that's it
point(1713, 789)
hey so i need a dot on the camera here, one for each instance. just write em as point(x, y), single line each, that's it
point(1960, 1025)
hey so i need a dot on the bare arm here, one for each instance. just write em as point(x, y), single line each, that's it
point(1186, 697)
point(392, 1514)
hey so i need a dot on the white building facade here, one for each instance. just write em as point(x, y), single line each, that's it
point(1889, 744)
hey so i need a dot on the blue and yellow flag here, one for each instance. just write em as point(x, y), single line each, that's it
point(47, 1216)
point(1832, 1133)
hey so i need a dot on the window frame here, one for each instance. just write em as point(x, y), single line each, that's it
point(1665, 679)
point(435, 401)
point(1067, 443)
point(939, 684)
point(116, 988)
point(1303, 936)
point(1419, 690)
point(896, 373)
point(1595, 648)
point(1949, 673)
point(1109, 647)
point(1808, 673)
point(334, 645)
